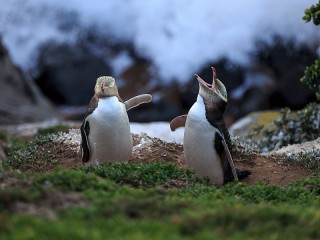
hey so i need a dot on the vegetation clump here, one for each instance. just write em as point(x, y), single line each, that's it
point(290, 128)
point(312, 73)
point(28, 155)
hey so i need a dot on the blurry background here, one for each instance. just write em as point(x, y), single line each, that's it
point(51, 53)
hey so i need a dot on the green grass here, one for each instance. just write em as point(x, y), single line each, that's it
point(123, 209)
point(144, 174)
point(27, 153)
point(148, 201)
point(54, 129)
point(310, 159)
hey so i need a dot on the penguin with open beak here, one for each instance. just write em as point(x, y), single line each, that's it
point(207, 143)
point(105, 131)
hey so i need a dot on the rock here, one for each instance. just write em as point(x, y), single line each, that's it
point(270, 81)
point(20, 99)
point(245, 125)
point(287, 61)
point(30, 129)
point(297, 149)
point(67, 73)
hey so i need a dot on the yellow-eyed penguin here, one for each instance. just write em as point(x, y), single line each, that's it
point(105, 130)
point(207, 142)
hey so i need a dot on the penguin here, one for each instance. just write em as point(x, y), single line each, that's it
point(105, 130)
point(207, 142)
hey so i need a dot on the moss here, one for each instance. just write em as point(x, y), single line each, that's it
point(3, 136)
point(196, 211)
point(156, 200)
point(261, 222)
point(55, 129)
point(266, 117)
point(28, 156)
point(146, 175)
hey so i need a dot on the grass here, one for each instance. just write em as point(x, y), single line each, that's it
point(144, 201)
point(309, 159)
point(27, 155)
point(123, 209)
point(54, 129)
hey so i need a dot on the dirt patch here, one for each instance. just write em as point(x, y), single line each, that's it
point(65, 153)
point(147, 150)
point(271, 171)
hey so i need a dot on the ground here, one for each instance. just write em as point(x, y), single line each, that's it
point(46, 192)
point(265, 169)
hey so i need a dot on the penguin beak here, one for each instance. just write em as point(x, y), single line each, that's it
point(205, 84)
point(202, 82)
point(103, 87)
point(217, 87)
point(214, 77)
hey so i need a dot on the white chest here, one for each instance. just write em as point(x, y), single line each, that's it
point(199, 150)
point(109, 108)
point(110, 138)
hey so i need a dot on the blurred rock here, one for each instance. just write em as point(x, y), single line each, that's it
point(31, 129)
point(67, 73)
point(245, 126)
point(287, 62)
point(295, 151)
point(20, 99)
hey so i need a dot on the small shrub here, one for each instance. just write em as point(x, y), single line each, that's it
point(290, 128)
point(28, 154)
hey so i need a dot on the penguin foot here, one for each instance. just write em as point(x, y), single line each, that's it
point(242, 173)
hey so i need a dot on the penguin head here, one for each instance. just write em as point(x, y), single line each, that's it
point(215, 91)
point(106, 87)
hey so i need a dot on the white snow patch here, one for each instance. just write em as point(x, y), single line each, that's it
point(159, 130)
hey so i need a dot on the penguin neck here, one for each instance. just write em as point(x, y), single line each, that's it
point(214, 110)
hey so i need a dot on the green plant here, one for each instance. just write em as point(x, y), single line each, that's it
point(312, 73)
point(313, 13)
point(309, 159)
point(290, 128)
point(53, 129)
point(145, 175)
point(21, 154)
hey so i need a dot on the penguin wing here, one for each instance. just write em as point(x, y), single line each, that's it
point(85, 130)
point(225, 158)
point(137, 100)
point(177, 122)
point(85, 147)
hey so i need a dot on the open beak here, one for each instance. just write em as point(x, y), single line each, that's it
point(204, 83)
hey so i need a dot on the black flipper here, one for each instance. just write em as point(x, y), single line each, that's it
point(219, 145)
point(85, 148)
